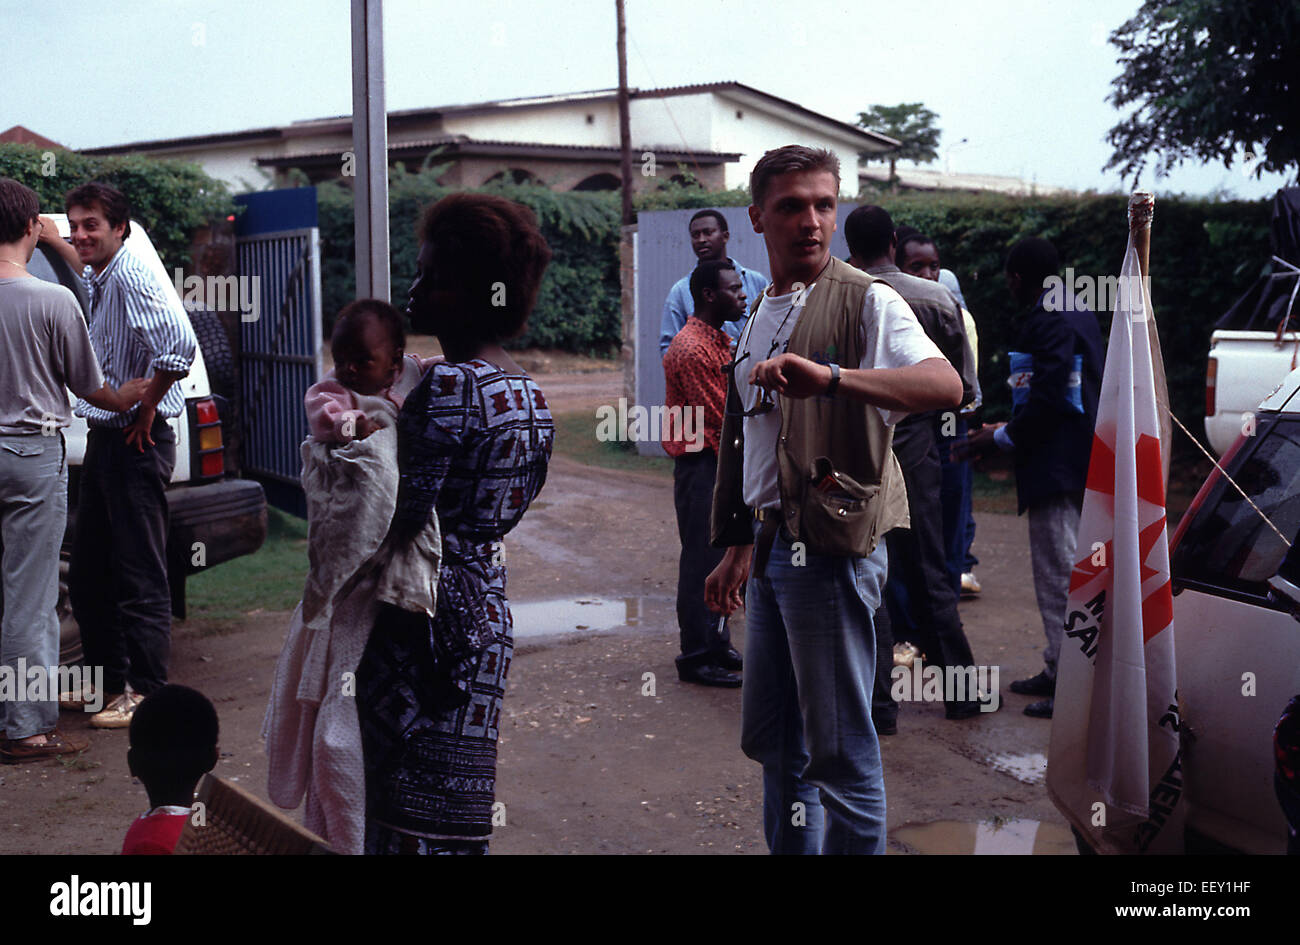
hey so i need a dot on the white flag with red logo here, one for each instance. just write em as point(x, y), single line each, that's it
point(1114, 765)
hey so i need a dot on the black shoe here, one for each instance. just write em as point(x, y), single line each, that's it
point(957, 711)
point(1040, 685)
point(729, 659)
point(884, 726)
point(1040, 710)
point(707, 675)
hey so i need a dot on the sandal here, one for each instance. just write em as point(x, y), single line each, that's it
point(13, 751)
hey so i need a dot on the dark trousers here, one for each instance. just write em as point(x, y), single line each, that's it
point(918, 565)
point(704, 634)
point(958, 520)
point(117, 579)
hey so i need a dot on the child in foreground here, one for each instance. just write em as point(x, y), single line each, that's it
point(371, 375)
point(173, 737)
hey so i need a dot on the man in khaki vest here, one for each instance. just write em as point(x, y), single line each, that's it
point(807, 486)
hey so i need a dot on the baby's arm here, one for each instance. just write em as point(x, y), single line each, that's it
point(332, 414)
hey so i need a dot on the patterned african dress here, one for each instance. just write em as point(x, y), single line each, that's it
point(473, 443)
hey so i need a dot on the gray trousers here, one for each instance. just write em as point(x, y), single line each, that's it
point(1053, 525)
point(33, 513)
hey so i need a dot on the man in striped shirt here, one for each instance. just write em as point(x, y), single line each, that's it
point(118, 575)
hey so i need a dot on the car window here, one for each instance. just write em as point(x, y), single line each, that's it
point(1228, 545)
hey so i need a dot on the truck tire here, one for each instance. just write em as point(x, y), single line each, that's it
point(217, 353)
point(70, 650)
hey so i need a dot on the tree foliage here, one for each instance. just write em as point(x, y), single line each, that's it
point(170, 198)
point(911, 124)
point(1204, 254)
point(1208, 79)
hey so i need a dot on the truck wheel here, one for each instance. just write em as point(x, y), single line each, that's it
point(217, 354)
point(69, 633)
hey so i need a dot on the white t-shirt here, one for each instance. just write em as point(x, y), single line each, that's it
point(889, 336)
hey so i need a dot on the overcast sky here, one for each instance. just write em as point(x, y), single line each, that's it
point(1020, 86)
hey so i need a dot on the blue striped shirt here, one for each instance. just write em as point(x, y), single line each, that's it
point(137, 327)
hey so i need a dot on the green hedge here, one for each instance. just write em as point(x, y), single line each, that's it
point(578, 307)
point(1204, 254)
point(170, 198)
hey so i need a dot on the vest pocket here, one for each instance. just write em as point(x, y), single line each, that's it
point(839, 513)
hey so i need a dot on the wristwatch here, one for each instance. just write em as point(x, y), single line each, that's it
point(835, 380)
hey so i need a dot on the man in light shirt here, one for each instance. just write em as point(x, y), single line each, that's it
point(46, 350)
point(807, 486)
point(118, 575)
point(709, 236)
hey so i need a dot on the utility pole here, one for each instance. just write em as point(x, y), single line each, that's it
point(624, 123)
point(370, 150)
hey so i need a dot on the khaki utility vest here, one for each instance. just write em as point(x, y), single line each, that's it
point(820, 436)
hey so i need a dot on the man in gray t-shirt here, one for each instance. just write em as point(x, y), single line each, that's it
point(46, 349)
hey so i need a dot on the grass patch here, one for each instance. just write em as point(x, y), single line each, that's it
point(575, 439)
point(78, 763)
point(270, 579)
point(993, 495)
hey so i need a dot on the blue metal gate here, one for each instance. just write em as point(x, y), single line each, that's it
point(281, 352)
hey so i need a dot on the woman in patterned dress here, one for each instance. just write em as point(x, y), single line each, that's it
point(474, 439)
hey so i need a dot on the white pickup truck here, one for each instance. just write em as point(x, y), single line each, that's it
point(212, 518)
point(1256, 343)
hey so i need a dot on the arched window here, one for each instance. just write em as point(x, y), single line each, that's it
point(600, 182)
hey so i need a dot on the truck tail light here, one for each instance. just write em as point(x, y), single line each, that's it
point(208, 451)
point(1211, 379)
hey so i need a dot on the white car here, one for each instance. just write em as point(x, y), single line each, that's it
point(1236, 607)
point(226, 517)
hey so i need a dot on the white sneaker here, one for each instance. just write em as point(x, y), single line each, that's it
point(117, 714)
point(905, 654)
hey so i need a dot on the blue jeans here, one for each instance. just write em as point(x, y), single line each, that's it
point(809, 665)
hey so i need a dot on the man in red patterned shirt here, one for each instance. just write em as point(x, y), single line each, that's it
point(695, 394)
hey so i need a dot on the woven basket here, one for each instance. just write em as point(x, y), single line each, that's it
point(239, 823)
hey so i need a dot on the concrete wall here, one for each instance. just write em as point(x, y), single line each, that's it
point(684, 122)
point(552, 124)
point(758, 131)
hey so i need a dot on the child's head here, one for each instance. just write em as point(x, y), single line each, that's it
point(173, 743)
point(367, 346)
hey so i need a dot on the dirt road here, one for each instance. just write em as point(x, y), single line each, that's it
point(602, 749)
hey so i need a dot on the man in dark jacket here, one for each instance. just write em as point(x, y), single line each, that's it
point(1055, 381)
point(922, 601)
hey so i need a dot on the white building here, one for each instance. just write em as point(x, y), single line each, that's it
point(716, 132)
